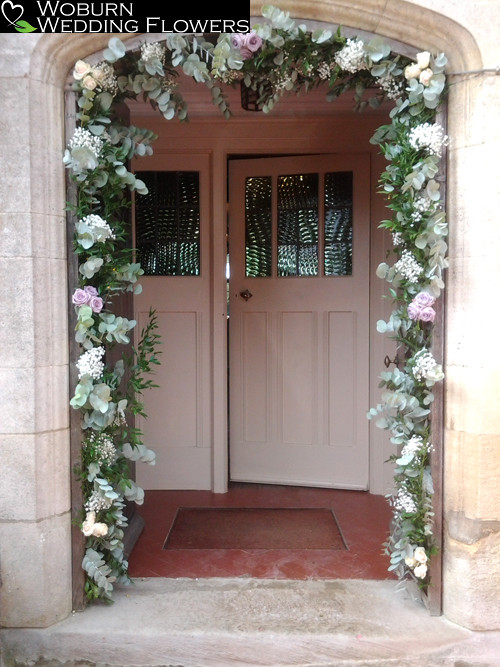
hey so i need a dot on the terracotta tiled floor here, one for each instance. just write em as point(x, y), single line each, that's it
point(363, 519)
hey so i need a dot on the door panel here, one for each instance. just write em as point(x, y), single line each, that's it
point(299, 334)
point(173, 245)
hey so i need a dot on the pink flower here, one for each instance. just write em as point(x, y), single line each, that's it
point(421, 307)
point(427, 314)
point(91, 290)
point(80, 297)
point(253, 42)
point(96, 303)
point(247, 43)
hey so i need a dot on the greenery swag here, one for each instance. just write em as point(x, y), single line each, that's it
point(275, 58)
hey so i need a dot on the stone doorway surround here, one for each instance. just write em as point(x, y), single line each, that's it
point(35, 543)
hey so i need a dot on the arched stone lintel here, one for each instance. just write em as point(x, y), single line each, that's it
point(397, 20)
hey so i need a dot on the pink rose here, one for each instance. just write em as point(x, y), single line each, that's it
point(253, 42)
point(237, 40)
point(96, 303)
point(427, 314)
point(424, 299)
point(80, 297)
point(413, 311)
point(92, 291)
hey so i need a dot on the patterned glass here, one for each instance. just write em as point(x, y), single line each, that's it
point(338, 223)
point(298, 225)
point(167, 224)
point(258, 223)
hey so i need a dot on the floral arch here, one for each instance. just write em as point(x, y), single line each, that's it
point(275, 58)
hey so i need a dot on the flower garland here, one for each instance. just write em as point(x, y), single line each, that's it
point(275, 58)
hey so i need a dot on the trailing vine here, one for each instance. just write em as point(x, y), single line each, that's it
point(276, 58)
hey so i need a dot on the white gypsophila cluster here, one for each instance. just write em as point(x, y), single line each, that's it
point(408, 267)
point(428, 136)
point(390, 85)
point(90, 363)
point(83, 138)
point(104, 448)
point(421, 205)
point(404, 502)
point(97, 502)
point(105, 76)
point(151, 52)
point(99, 225)
point(324, 71)
point(397, 239)
point(351, 57)
point(426, 367)
point(412, 447)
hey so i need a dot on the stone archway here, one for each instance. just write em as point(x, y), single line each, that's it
point(37, 580)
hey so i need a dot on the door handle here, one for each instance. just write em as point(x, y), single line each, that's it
point(246, 294)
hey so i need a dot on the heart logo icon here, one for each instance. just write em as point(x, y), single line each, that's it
point(12, 11)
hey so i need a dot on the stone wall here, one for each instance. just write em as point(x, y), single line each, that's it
point(34, 444)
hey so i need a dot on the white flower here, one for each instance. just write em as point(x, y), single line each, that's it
point(98, 502)
point(99, 530)
point(412, 446)
point(81, 69)
point(425, 76)
point(88, 524)
point(397, 239)
point(428, 136)
point(426, 367)
point(89, 82)
point(351, 57)
point(423, 59)
point(420, 571)
point(408, 267)
point(90, 363)
point(83, 151)
point(392, 86)
point(420, 555)
point(151, 52)
point(410, 562)
point(404, 502)
point(412, 71)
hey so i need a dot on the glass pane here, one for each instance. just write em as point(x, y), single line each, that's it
point(167, 223)
point(338, 224)
point(258, 221)
point(298, 225)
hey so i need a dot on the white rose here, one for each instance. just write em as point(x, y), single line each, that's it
point(420, 571)
point(100, 530)
point(411, 562)
point(436, 374)
point(423, 59)
point(425, 76)
point(81, 69)
point(420, 555)
point(412, 71)
point(88, 524)
point(89, 82)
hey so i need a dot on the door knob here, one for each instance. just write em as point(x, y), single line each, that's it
point(246, 294)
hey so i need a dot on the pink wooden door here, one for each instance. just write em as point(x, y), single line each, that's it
point(172, 237)
point(298, 314)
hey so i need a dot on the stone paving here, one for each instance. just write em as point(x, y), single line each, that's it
point(250, 622)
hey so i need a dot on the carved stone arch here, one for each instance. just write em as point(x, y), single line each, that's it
point(54, 55)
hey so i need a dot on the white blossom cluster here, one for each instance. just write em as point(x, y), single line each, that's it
point(428, 136)
point(90, 363)
point(397, 239)
point(101, 228)
point(98, 502)
point(413, 445)
point(105, 77)
point(390, 85)
point(408, 267)
point(83, 138)
point(324, 70)
point(151, 52)
point(421, 205)
point(105, 450)
point(426, 367)
point(351, 57)
point(404, 501)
